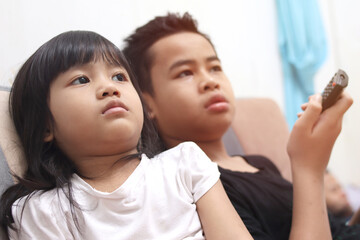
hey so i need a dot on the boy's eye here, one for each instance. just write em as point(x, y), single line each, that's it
point(119, 77)
point(80, 80)
point(184, 74)
point(216, 69)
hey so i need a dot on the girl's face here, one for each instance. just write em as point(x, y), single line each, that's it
point(193, 98)
point(96, 111)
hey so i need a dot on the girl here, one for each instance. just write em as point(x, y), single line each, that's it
point(80, 118)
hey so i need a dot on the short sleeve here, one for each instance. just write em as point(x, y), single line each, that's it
point(199, 172)
point(37, 219)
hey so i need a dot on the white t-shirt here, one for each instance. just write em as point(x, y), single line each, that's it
point(157, 201)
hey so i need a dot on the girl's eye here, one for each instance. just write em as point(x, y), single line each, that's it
point(184, 74)
point(80, 80)
point(119, 77)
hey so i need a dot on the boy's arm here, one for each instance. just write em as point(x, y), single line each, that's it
point(309, 148)
point(218, 217)
point(355, 219)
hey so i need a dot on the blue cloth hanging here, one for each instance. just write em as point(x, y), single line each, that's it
point(303, 48)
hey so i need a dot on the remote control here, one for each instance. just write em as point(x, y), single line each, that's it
point(334, 89)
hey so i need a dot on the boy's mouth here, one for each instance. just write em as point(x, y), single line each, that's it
point(215, 99)
point(217, 103)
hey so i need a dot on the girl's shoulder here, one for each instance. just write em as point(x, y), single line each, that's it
point(36, 197)
point(186, 168)
point(39, 203)
point(184, 149)
point(186, 153)
point(42, 210)
point(186, 159)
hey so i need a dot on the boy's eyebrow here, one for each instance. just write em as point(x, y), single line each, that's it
point(180, 63)
point(189, 61)
point(213, 58)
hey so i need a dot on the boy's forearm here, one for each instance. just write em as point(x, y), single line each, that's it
point(310, 219)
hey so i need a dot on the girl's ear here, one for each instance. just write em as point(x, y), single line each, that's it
point(150, 104)
point(49, 135)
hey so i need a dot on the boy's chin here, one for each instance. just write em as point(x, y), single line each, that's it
point(217, 130)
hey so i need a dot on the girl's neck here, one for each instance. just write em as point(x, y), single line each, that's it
point(107, 173)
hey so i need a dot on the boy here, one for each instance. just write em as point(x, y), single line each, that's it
point(190, 99)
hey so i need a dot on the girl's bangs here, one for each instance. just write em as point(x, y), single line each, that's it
point(79, 49)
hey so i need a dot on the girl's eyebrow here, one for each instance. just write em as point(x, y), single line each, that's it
point(189, 61)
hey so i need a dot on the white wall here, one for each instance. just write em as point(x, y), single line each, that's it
point(343, 27)
point(243, 31)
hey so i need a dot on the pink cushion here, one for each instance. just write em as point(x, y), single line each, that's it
point(262, 129)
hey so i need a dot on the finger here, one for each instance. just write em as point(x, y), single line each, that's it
point(304, 106)
point(311, 114)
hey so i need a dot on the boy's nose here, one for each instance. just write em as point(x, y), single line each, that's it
point(209, 84)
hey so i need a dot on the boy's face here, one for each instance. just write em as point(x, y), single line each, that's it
point(193, 99)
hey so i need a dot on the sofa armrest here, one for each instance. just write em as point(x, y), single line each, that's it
point(9, 141)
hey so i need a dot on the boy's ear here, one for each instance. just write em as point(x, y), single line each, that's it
point(150, 104)
point(49, 135)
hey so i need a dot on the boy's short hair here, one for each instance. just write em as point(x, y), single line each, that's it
point(137, 45)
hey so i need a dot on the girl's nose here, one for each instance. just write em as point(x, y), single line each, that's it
point(108, 90)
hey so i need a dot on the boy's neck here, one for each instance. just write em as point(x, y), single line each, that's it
point(215, 150)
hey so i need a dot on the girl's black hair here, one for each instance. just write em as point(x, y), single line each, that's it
point(47, 166)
